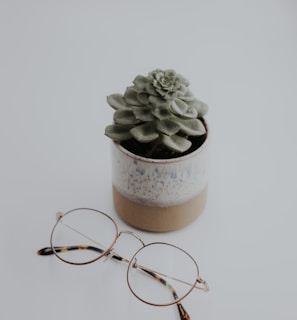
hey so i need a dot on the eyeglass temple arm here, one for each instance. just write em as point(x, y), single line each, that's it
point(182, 312)
point(49, 251)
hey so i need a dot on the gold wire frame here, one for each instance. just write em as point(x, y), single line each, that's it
point(61, 215)
point(158, 276)
point(131, 263)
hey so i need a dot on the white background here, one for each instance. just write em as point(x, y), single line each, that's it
point(58, 62)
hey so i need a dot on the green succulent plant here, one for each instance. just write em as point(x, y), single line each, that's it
point(158, 113)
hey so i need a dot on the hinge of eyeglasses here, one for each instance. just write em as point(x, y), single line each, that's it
point(204, 283)
point(59, 215)
point(135, 265)
point(112, 254)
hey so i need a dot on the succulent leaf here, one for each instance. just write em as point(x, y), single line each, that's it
point(161, 113)
point(176, 143)
point(191, 127)
point(125, 117)
point(182, 90)
point(191, 113)
point(203, 109)
point(188, 96)
point(158, 101)
point(143, 113)
point(116, 101)
point(179, 107)
point(167, 127)
point(130, 97)
point(143, 98)
point(149, 88)
point(140, 82)
point(145, 133)
point(118, 132)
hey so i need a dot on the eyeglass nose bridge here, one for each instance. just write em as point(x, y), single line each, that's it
point(133, 234)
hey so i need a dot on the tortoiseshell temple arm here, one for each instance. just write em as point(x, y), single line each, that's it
point(49, 251)
point(182, 312)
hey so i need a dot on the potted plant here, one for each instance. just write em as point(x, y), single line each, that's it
point(159, 149)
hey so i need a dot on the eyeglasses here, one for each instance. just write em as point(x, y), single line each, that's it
point(159, 274)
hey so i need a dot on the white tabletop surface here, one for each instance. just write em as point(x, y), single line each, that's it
point(58, 62)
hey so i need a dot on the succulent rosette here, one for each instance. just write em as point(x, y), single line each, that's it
point(157, 108)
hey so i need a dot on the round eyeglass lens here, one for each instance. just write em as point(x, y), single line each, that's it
point(82, 236)
point(162, 274)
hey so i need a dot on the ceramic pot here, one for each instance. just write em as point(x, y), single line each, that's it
point(159, 195)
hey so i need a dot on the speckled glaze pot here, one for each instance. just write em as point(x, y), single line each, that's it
point(159, 195)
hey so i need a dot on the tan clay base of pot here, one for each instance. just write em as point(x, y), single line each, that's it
point(159, 219)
